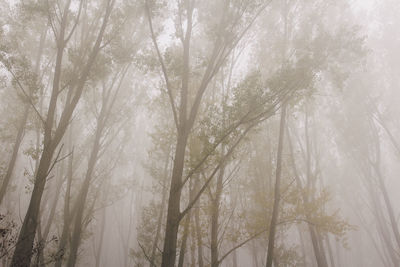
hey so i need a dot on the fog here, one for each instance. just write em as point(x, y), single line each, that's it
point(199, 133)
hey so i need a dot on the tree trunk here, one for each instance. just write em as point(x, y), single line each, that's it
point(161, 214)
point(215, 218)
point(43, 237)
point(185, 236)
point(302, 245)
point(173, 212)
point(275, 210)
point(67, 217)
point(318, 250)
point(330, 251)
point(23, 251)
point(383, 230)
point(67, 220)
point(389, 207)
point(186, 228)
point(183, 129)
point(102, 227)
point(198, 228)
point(193, 245)
point(40, 244)
point(319, 255)
point(77, 230)
point(338, 255)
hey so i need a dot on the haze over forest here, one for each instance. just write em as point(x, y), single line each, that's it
point(221, 133)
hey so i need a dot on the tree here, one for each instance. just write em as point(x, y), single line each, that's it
point(52, 138)
point(232, 27)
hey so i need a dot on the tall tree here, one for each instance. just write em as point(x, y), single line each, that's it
point(232, 27)
point(53, 134)
point(277, 195)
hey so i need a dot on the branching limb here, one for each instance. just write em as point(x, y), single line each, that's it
point(163, 68)
point(205, 185)
point(55, 160)
point(21, 87)
point(147, 256)
point(241, 244)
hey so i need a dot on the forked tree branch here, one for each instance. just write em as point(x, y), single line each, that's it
point(163, 68)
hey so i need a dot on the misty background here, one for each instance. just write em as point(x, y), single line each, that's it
point(199, 133)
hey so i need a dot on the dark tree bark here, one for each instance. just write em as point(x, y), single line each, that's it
point(42, 237)
point(183, 129)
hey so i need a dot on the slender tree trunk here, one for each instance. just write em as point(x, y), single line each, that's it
point(79, 223)
point(319, 255)
point(275, 210)
point(193, 245)
point(126, 255)
point(43, 237)
point(186, 229)
point(302, 246)
point(40, 244)
point(198, 228)
point(184, 127)
point(330, 251)
point(76, 236)
point(185, 236)
point(318, 252)
point(67, 217)
point(102, 228)
point(23, 252)
point(383, 230)
point(389, 251)
point(173, 212)
point(161, 214)
point(389, 207)
point(215, 218)
point(53, 208)
point(338, 254)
